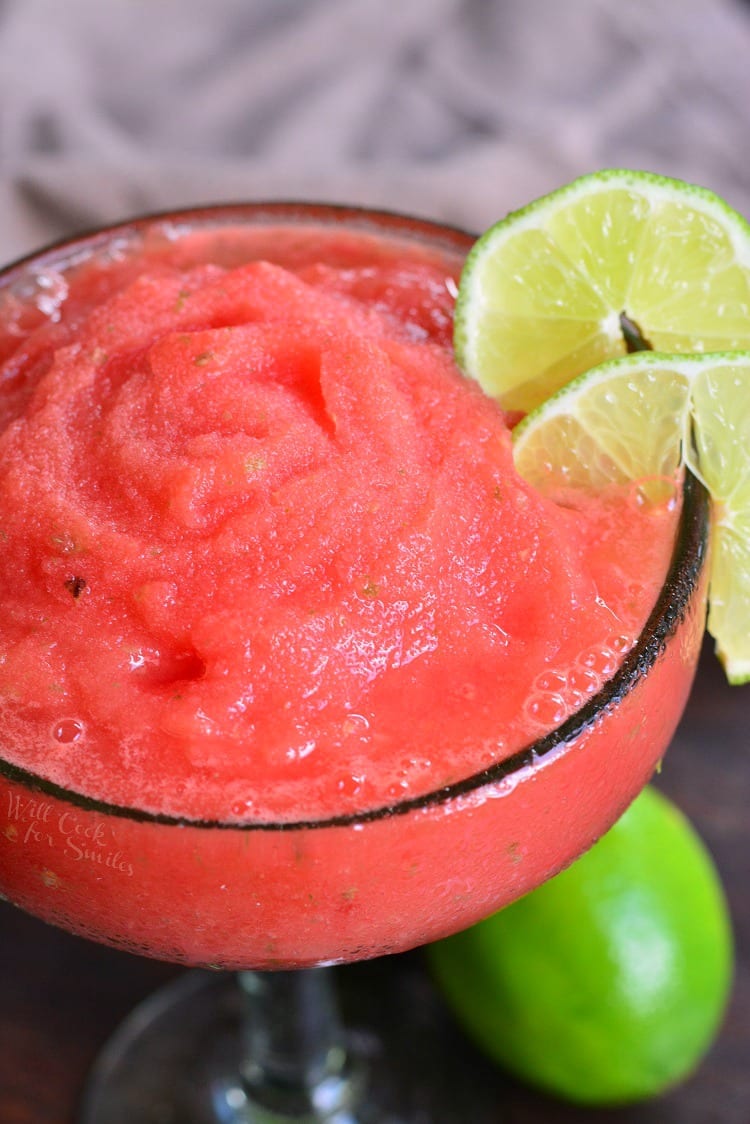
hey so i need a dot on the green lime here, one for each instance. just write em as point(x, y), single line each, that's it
point(611, 262)
point(638, 419)
point(607, 984)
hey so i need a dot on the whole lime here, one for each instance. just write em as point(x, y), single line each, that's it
point(607, 984)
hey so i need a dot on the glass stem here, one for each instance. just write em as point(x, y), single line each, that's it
point(295, 1065)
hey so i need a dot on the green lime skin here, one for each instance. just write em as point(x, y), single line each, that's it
point(606, 985)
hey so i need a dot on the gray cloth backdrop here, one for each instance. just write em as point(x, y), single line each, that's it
point(458, 109)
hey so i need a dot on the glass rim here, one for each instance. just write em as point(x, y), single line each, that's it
point(397, 223)
point(681, 582)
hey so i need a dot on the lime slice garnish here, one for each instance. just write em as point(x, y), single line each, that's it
point(613, 261)
point(641, 417)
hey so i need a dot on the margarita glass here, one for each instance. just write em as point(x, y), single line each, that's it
point(278, 897)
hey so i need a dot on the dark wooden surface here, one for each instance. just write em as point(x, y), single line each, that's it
point(61, 996)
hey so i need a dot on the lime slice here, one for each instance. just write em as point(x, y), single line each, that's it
point(641, 417)
point(614, 261)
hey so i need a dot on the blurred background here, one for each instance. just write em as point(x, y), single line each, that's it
point(453, 109)
point(456, 109)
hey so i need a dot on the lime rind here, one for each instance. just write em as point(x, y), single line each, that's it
point(542, 290)
point(639, 419)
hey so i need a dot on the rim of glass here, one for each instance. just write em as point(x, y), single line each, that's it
point(397, 224)
point(681, 583)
